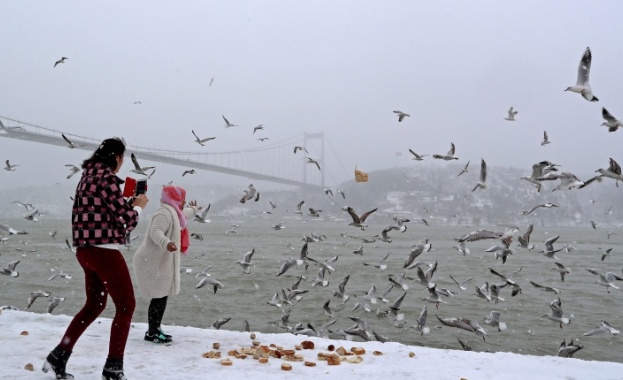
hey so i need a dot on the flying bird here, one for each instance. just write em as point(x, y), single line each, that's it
point(258, 128)
point(62, 60)
point(416, 156)
point(202, 217)
point(227, 123)
point(544, 205)
point(312, 161)
point(465, 170)
point(297, 148)
point(483, 176)
point(613, 171)
point(73, 169)
point(245, 263)
point(190, 171)
point(464, 324)
point(249, 194)
point(611, 122)
point(137, 168)
point(511, 114)
point(358, 220)
point(545, 140)
point(582, 86)
point(70, 145)
point(9, 167)
point(201, 141)
point(447, 157)
point(401, 115)
point(568, 180)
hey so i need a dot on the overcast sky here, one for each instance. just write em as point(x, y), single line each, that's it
point(340, 67)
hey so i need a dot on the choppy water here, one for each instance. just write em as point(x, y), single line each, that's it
point(246, 296)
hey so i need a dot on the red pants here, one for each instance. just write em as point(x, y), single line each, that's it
point(105, 272)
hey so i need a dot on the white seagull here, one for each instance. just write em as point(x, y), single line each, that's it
point(611, 122)
point(511, 114)
point(73, 169)
point(582, 86)
point(70, 145)
point(137, 168)
point(417, 157)
point(62, 60)
point(603, 329)
point(201, 141)
point(483, 176)
point(447, 157)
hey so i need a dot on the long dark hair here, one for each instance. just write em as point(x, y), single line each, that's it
point(107, 153)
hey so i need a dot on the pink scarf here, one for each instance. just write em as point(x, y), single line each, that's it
point(175, 196)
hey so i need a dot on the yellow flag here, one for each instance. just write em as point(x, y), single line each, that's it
point(360, 176)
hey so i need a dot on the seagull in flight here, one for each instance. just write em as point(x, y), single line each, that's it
point(611, 122)
point(465, 170)
point(401, 115)
point(227, 123)
point(511, 114)
point(312, 161)
point(545, 140)
point(416, 156)
point(201, 141)
point(538, 170)
point(447, 157)
point(613, 171)
point(358, 220)
point(582, 86)
point(567, 180)
point(62, 60)
point(9, 167)
point(190, 171)
point(137, 168)
point(297, 148)
point(71, 144)
point(202, 217)
point(483, 176)
point(73, 169)
point(258, 128)
point(545, 205)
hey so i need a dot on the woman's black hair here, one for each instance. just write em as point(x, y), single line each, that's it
point(107, 153)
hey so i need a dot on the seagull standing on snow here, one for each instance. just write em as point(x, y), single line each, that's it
point(582, 86)
point(511, 114)
point(611, 122)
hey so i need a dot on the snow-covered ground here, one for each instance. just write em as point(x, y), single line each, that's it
point(27, 338)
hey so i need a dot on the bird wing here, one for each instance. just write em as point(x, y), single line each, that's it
point(614, 167)
point(363, 217)
point(585, 67)
point(66, 139)
point(298, 206)
point(483, 171)
point(607, 115)
point(452, 149)
point(353, 215)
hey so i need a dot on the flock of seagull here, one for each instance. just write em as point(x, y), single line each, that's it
point(542, 172)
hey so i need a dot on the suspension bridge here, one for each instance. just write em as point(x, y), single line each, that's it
point(271, 162)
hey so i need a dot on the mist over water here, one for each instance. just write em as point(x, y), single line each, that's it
point(245, 296)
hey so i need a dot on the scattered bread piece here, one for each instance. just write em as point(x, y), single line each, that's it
point(333, 360)
point(358, 350)
point(310, 364)
point(377, 353)
point(286, 366)
point(211, 355)
point(216, 345)
point(354, 359)
point(307, 344)
point(29, 367)
point(226, 362)
point(331, 347)
point(411, 354)
point(24, 333)
point(263, 360)
point(253, 336)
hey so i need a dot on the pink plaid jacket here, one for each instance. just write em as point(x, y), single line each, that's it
point(100, 214)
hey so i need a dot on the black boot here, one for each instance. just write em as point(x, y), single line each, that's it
point(57, 361)
point(113, 370)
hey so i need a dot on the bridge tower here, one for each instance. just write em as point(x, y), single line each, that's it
point(312, 136)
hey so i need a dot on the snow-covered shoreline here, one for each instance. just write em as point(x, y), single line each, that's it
point(28, 337)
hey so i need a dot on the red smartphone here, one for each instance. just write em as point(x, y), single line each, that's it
point(129, 188)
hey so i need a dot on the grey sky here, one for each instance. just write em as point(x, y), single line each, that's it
point(309, 66)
